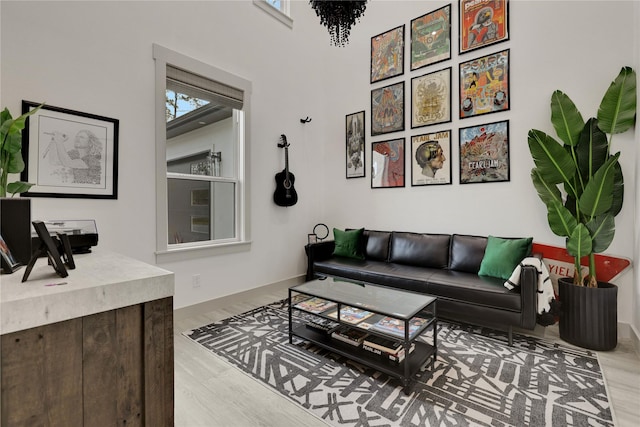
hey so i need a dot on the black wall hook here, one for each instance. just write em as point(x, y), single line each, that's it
point(307, 120)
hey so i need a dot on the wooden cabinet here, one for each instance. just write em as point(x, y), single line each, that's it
point(104, 369)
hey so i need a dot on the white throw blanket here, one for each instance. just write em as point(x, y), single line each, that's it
point(545, 288)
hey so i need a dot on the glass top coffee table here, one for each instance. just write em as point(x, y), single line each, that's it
point(375, 325)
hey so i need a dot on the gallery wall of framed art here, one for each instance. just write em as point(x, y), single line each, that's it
point(430, 92)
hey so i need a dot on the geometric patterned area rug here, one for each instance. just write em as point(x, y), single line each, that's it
point(477, 379)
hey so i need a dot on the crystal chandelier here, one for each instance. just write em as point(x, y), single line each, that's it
point(339, 17)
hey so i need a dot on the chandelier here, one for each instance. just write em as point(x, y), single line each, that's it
point(339, 17)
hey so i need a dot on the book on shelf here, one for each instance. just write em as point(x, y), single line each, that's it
point(395, 357)
point(351, 315)
point(349, 335)
point(322, 325)
point(384, 344)
point(315, 305)
point(395, 326)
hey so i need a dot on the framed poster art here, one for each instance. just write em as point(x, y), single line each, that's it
point(387, 164)
point(431, 38)
point(9, 262)
point(484, 153)
point(430, 154)
point(484, 85)
point(70, 153)
point(483, 23)
point(387, 109)
point(355, 157)
point(387, 54)
point(431, 98)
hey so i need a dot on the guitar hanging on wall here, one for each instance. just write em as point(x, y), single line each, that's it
point(285, 194)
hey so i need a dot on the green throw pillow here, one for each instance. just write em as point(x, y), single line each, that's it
point(502, 256)
point(348, 243)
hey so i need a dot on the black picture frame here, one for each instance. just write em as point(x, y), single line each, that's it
point(482, 23)
point(431, 159)
point(431, 98)
point(485, 85)
point(355, 157)
point(388, 163)
point(484, 153)
point(387, 109)
point(431, 38)
point(48, 247)
point(8, 262)
point(387, 54)
point(70, 153)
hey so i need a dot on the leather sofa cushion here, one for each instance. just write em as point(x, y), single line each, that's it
point(467, 253)
point(423, 250)
point(377, 245)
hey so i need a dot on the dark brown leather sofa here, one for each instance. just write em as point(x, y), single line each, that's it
point(437, 264)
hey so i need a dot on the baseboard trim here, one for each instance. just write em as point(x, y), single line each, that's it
point(634, 336)
point(225, 301)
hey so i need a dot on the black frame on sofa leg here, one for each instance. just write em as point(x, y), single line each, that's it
point(510, 332)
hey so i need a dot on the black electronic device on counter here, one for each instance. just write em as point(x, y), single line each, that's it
point(82, 234)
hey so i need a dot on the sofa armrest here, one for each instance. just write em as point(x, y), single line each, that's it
point(317, 252)
point(529, 296)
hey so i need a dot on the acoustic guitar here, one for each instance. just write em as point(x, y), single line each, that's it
point(285, 194)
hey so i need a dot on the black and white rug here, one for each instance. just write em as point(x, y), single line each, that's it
point(478, 380)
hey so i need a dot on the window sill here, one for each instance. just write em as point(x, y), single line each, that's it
point(191, 252)
point(280, 16)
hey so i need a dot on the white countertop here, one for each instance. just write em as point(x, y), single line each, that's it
point(101, 281)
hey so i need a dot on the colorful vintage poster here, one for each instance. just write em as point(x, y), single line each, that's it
point(387, 164)
point(431, 38)
point(387, 54)
point(387, 109)
point(431, 98)
point(484, 85)
point(482, 23)
point(484, 153)
point(429, 158)
point(355, 145)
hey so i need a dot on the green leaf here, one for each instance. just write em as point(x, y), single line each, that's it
point(602, 230)
point(618, 190)
point(561, 221)
point(579, 243)
point(16, 163)
point(565, 118)
point(617, 111)
point(597, 197)
point(592, 149)
point(18, 187)
point(546, 191)
point(553, 162)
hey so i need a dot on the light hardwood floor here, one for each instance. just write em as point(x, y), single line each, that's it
point(209, 392)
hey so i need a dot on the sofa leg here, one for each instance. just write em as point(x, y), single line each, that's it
point(510, 332)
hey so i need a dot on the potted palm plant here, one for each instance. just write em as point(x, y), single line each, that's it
point(15, 214)
point(580, 181)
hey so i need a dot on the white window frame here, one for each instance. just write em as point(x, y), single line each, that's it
point(283, 14)
point(242, 240)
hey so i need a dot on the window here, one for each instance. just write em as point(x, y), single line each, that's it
point(279, 9)
point(201, 114)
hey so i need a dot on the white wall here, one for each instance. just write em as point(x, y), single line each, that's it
point(96, 57)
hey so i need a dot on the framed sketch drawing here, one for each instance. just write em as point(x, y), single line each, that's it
point(484, 85)
point(70, 154)
point(431, 98)
point(484, 153)
point(387, 164)
point(483, 23)
point(355, 157)
point(387, 54)
point(431, 38)
point(387, 109)
point(430, 154)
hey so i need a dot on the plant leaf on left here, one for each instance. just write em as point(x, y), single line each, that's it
point(11, 151)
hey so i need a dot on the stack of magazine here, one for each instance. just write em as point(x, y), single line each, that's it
point(392, 326)
point(387, 349)
point(349, 335)
point(351, 315)
point(315, 305)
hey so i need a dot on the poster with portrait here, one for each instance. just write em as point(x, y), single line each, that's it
point(70, 153)
point(430, 154)
point(387, 109)
point(483, 23)
point(387, 54)
point(387, 164)
point(431, 98)
point(355, 157)
point(431, 38)
point(484, 153)
point(484, 85)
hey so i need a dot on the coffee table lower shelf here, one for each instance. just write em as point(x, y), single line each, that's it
point(415, 360)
